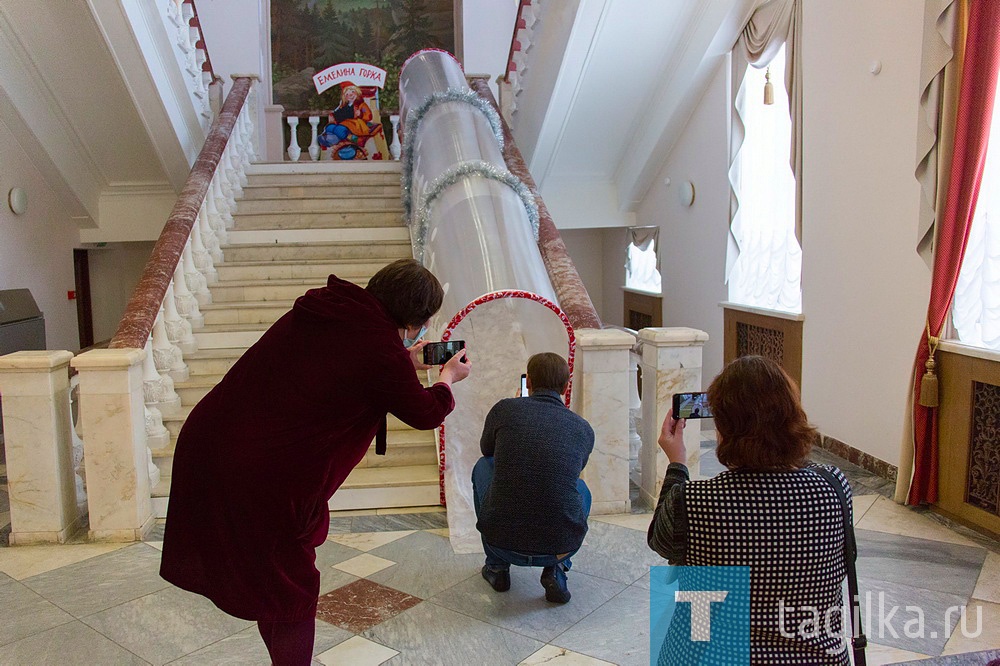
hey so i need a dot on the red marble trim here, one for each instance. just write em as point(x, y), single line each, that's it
point(148, 295)
point(464, 312)
point(572, 293)
point(864, 460)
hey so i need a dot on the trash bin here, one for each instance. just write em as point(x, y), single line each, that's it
point(22, 326)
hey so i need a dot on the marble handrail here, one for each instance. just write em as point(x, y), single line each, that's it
point(143, 306)
point(573, 296)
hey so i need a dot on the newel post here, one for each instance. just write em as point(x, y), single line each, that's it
point(671, 363)
point(114, 435)
point(601, 395)
point(39, 447)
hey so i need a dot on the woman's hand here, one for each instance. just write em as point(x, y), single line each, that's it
point(417, 356)
point(456, 369)
point(671, 438)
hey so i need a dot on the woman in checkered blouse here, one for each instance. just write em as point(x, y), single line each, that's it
point(769, 511)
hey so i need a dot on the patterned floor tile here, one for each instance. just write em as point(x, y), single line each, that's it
point(616, 553)
point(617, 632)
point(357, 651)
point(111, 579)
point(892, 615)
point(247, 649)
point(70, 644)
point(981, 658)
point(882, 655)
point(24, 613)
point(362, 604)
point(193, 621)
point(557, 656)
point(862, 503)
point(425, 565)
point(887, 516)
point(920, 563)
point(25, 561)
point(366, 541)
point(363, 565)
point(443, 532)
point(635, 521)
point(523, 609)
point(392, 511)
point(980, 631)
point(432, 634)
point(988, 586)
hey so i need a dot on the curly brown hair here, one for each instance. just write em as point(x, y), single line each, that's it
point(409, 292)
point(759, 416)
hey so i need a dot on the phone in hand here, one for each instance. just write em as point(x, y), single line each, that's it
point(692, 406)
point(524, 386)
point(439, 353)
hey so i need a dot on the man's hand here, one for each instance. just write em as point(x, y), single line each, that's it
point(417, 355)
point(672, 438)
point(456, 369)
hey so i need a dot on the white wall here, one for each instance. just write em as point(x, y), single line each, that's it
point(36, 248)
point(114, 272)
point(586, 248)
point(484, 35)
point(693, 239)
point(865, 289)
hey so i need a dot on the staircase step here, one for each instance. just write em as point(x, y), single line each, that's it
point(384, 250)
point(246, 312)
point(350, 205)
point(369, 235)
point(212, 361)
point(306, 270)
point(353, 219)
point(229, 336)
point(350, 169)
point(388, 486)
point(253, 191)
point(277, 290)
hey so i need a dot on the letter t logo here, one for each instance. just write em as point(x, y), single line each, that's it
point(701, 610)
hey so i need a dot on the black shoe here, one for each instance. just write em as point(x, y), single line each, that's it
point(499, 579)
point(554, 581)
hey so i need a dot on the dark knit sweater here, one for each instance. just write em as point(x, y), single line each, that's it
point(539, 448)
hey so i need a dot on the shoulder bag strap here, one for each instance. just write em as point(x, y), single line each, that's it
point(858, 640)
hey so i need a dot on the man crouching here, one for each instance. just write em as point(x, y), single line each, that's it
point(531, 503)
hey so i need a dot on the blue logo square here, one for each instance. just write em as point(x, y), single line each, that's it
point(699, 615)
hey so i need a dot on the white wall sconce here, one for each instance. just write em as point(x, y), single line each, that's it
point(686, 192)
point(17, 199)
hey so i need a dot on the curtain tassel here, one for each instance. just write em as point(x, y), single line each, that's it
point(929, 382)
point(768, 88)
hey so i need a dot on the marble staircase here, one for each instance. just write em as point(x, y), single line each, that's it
point(295, 224)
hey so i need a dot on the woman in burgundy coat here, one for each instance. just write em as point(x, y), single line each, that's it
point(261, 454)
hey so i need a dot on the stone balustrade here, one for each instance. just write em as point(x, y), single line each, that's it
point(180, 19)
point(313, 151)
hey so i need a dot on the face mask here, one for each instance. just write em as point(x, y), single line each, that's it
point(408, 342)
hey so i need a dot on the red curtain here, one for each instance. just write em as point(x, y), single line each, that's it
point(972, 129)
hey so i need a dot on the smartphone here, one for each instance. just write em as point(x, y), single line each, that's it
point(691, 406)
point(524, 386)
point(438, 353)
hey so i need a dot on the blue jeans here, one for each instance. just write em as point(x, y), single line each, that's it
point(501, 558)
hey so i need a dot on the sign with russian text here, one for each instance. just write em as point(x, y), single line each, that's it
point(356, 73)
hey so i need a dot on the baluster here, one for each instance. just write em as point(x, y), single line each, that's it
point(157, 437)
point(245, 144)
point(394, 147)
point(313, 143)
point(193, 68)
point(221, 205)
point(210, 240)
point(79, 462)
point(215, 221)
point(196, 282)
point(158, 390)
point(235, 170)
point(199, 253)
point(187, 304)
point(293, 143)
point(178, 329)
point(167, 357)
point(174, 12)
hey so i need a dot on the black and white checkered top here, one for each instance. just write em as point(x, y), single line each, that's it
point(788, 527)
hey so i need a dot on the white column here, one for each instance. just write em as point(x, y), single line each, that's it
point(600, 395)
point(293, 141)
point(395, 148)
point(167, 356)
point(274, 135)
point(196, 282)
point(187, 304)
point(39, 446)
point(209, 239)
point(158, 390)
point(671, 363)
point(200, 253)
point(178, 328)
point(114, 435)
point(313, 143)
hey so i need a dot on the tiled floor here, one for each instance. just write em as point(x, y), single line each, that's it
point(393, 592)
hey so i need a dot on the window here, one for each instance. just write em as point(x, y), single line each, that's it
point(976, 311)
point(641, 259)
point(767, 271)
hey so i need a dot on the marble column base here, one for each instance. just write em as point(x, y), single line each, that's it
point(123, 535)
point(611, 508)
point(36, 538)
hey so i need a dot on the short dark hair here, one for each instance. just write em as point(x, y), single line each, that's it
point(548, 372)
point(408, 291)
point(759, 416)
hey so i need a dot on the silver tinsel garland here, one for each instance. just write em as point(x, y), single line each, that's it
point(412, 123)
point(457, 173)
